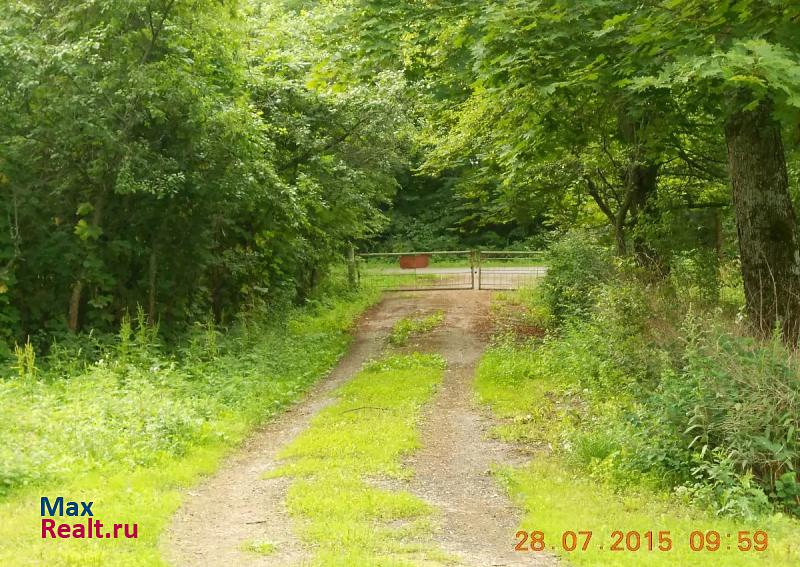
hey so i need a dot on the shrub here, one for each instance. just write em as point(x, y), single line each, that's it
point(577, 266)
point(608, 352)
point(695, 276)
point(631, 390)
point(723, 488)
point(722, 422)
point(745, 406)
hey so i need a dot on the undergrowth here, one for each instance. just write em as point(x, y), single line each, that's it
point(650, 391)
point(130, 429)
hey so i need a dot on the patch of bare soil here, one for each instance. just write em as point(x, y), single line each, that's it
point(477, 522)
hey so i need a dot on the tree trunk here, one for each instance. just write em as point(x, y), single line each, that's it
point(644, 181)
point(617, 220)
point(765, 219)
point(73, 320)
point(151, 300)
point(619, 236)
point(75, 306)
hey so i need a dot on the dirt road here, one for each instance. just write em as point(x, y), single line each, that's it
point(476, 521)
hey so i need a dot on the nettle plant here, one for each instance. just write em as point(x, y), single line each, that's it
point(743, 417)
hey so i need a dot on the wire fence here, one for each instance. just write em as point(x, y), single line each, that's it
point(510, 269)
point(459, 269)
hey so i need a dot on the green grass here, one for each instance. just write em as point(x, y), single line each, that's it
point(557, 500)
point(410, 281)
point(260, 547)
point(521, 308)
point(409, 327)
point(131, 434)
point(540, 407)
point(512, 380)
point(341, 462)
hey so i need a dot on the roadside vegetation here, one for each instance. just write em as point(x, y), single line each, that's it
point(413, 327)
point(557, 499)
point(342, 511)
point(135, 424)
point(179, 180)
point(642, 388)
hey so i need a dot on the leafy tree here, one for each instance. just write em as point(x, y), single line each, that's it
point(178, 155)
point(740, 61)
point(617, 101)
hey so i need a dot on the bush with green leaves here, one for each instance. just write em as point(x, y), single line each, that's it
point(722, 419)
point(635, 391)
point(695, 276)
point(577, 266)
point(211, 170)
point(741, 407)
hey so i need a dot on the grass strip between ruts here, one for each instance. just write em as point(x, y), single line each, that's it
point(341, 512)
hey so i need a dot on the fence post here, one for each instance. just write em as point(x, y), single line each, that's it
point(352, 269)
point(478, 255)
point(472, 268)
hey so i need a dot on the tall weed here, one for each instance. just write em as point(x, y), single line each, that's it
point(137, 404)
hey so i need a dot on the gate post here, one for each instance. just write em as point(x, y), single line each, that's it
point(472, 269)
point(478, 255)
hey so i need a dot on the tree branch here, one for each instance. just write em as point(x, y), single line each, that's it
point(595, 194)
point(155, 30)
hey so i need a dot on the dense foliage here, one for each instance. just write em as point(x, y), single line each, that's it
point(591, 112)
point(179, 178)
point(256, 139)
point(654, 383)
point(178, 156)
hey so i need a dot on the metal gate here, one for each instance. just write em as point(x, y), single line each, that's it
point(459, 269)
point(418, 270)
point(510, 269)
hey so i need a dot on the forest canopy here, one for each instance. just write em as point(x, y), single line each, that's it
point(177, 156)
point(195, 157)
point(587, 206)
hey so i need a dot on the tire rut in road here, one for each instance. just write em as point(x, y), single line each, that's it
point(237, 505)
point(452, 469)
point(477, 523)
